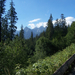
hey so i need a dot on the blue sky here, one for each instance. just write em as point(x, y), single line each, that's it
point(35, 13)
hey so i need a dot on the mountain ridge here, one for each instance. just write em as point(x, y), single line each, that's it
point(27, 31)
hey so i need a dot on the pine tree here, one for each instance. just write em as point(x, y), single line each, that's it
point(2, 4)
point(70, 37)
point(57, 29)
point(60, 30)
point(5, 31)
point(21, 32)
point(32, 45)
point(60, 26)
point(12, 18)
point(32, 36)
point(64, 27)
point(49, 30)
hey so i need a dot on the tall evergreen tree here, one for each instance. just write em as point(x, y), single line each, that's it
point(60, 26)
point(4, 27)
point(2, 4)
point(63, 19)
point(49, 30)
point(63, 27)
point(60, 31)
point(32, 36)
point(70, 37)
point(12, 18)
point(22, 32)
point(56, 29)
point(32, 45)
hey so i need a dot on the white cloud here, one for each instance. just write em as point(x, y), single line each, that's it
point(54, 21)
point(69, 20)
point(35, 20)
point(44, 24)
point(32, 26)
point(39, 24)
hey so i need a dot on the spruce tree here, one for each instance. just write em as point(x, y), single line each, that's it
point(70, 37)
point(2, 4)
point(62, 24)
point(49, 30)
point(21, 32)
point(64, 27)
point(32, 36)
point(4, 27)
point(12, 18)
point(32, 45)
point(60, 30)
point(56, 29)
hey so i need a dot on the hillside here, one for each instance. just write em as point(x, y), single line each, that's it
point(50, 64)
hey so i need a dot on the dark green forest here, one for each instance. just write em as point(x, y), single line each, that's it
point(16, 51)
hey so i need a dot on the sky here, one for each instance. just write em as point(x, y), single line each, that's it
point(35, 13)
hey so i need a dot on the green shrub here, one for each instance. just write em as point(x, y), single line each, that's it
point(50, 64)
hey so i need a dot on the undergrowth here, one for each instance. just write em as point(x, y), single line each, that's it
point(48, 65)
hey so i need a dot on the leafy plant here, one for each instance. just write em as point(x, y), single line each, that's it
point(50, 64)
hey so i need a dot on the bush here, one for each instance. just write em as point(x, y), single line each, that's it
point(50, 64)
point(42, 48)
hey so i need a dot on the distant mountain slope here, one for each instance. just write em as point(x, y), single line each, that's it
point(27, 31)
point(38, 30)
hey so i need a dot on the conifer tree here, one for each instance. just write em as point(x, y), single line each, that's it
point(32, 45)
point(60, 27)
point(21, 32)
point(64, 27)
point(12, 18)
point(2, 4)
point(70, 37)
point(56, 29)
point(60, 30)
point(32, 36)
point(62, 24)
point(4, 27)
point(49, 30)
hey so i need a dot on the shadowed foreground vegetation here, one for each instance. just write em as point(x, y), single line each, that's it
point(48, 65)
